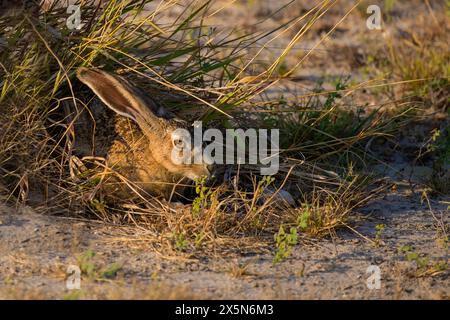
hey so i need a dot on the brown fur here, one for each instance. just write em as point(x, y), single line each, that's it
point(141, 147)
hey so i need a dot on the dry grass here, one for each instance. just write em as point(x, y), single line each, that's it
point(180, 63)
point(418, 58)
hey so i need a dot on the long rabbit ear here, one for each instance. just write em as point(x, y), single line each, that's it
point(120, 96)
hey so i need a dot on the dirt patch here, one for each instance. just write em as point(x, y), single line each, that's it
point(37, 250)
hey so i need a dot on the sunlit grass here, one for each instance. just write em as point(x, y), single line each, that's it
point(197, 72)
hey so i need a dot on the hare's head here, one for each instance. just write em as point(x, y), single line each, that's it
point(169, 138)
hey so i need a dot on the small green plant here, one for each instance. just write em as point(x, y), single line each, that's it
point(181, 243)
point(389, 5)
point(303, 220)
point(441, 265)
point(265, 181)
point(405, 248)
point(199, 237)
point(98, 206)
point(421, 262)
point(86, 264)
point(73, 295)
point(413, 256)
point(410, 255)
point(263, 184)
point(284, 243)
point(111, 271)
point(425, 267)
point(92, 270)
point(379, 232)
point(203, 194)
point(439, 146)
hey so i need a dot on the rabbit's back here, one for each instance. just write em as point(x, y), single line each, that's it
point(100, 132)
point(139, 141)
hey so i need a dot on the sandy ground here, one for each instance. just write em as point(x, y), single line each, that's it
point(36, 249)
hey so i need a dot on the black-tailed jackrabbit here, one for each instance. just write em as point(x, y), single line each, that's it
point(141, 154)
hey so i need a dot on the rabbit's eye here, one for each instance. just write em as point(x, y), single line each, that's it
point(179, 143)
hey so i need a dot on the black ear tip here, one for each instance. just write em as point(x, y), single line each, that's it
point(82, 72)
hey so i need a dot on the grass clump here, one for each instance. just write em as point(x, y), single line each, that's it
point(93, 269)
point(213, 78)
